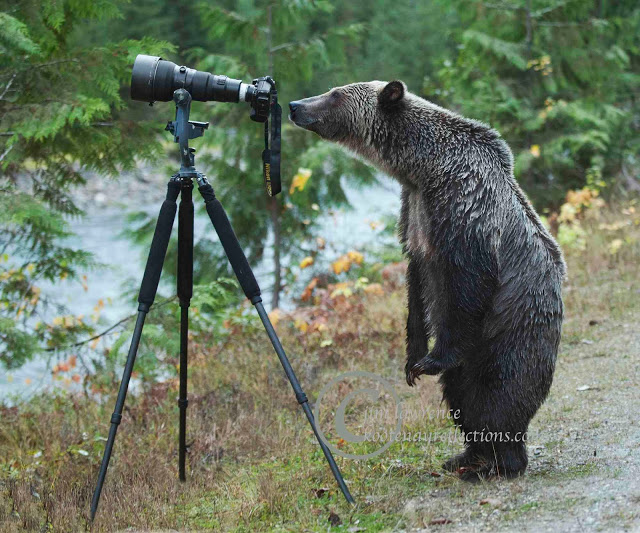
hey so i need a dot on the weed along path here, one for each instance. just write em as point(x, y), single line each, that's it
point(584, 449)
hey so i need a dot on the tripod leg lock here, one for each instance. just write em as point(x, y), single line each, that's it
point(301, 397)
point(183, 403)
point(116, 418)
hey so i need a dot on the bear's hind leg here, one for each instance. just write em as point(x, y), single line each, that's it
point(453, 392)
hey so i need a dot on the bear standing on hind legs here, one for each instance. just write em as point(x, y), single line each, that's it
point(484, 275)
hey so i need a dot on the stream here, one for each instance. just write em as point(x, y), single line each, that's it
point(100, 232)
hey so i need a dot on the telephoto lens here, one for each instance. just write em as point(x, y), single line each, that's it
point(154, 80)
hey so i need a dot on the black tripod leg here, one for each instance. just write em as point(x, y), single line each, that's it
point(146, 297)
point(251, 290)
point(185, 292)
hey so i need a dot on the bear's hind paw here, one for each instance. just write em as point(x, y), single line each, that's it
point(488, 472)
point(465, 459)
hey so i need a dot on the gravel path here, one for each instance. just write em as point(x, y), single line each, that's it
point(584, 470)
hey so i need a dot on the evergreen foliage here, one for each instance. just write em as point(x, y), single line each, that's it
point(61, 116)
point(559, 79)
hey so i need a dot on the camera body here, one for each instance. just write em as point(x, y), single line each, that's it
point(259, 96)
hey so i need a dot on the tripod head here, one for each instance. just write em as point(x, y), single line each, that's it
point(184, 129)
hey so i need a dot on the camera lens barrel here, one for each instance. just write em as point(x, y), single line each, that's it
point(154, 80)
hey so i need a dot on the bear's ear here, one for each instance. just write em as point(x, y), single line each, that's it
point(392, 94)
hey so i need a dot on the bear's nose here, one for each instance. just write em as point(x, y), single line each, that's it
point(293, 106)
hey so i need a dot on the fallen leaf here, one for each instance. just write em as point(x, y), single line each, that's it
point(490, 501)
point(439, 522)
point(334, 519)
point(436, 474)
point(319, 493)
point(587, 387)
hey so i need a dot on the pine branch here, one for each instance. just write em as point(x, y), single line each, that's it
point(5, 153)
point(108, 330)
point(56, 62)
point(508, 7)
point(8, 86)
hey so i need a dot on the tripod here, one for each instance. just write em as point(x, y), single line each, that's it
point(181, 184)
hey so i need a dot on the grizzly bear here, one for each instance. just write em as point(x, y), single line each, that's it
point(484, 275)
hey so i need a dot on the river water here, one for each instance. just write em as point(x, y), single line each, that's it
point(100, 232)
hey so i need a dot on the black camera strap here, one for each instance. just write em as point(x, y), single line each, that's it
point(271, 156)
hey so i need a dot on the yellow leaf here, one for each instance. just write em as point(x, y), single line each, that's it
point(299, 181)
point(615, 245)
point(535, 150)
point(306, 262)
point(341, 265)
point(374, 288)
point(308, 291)
point(301, 325)
point(275, 316)
point(355, 257)
point(341, 289)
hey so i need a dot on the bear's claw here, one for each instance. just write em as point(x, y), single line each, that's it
point(427, 366)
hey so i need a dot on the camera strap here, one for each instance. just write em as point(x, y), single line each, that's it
point(271, 156)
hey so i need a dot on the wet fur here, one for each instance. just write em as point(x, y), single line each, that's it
point(484, 275)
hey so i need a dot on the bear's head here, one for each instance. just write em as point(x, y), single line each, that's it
point(350, 114)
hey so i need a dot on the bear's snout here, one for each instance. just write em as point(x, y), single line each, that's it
point(301, 113)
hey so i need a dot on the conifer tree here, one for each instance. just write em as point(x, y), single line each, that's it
point(61, 114)
point(559, 79)
point(300, 45)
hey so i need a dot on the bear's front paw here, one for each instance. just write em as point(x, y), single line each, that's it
point(427, 365)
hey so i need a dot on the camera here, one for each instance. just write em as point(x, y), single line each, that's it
point(154, 79)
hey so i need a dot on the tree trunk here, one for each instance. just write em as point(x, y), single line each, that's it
point(275, 226)
point(273, 201)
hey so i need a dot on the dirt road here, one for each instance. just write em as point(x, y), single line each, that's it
point(584, 448)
